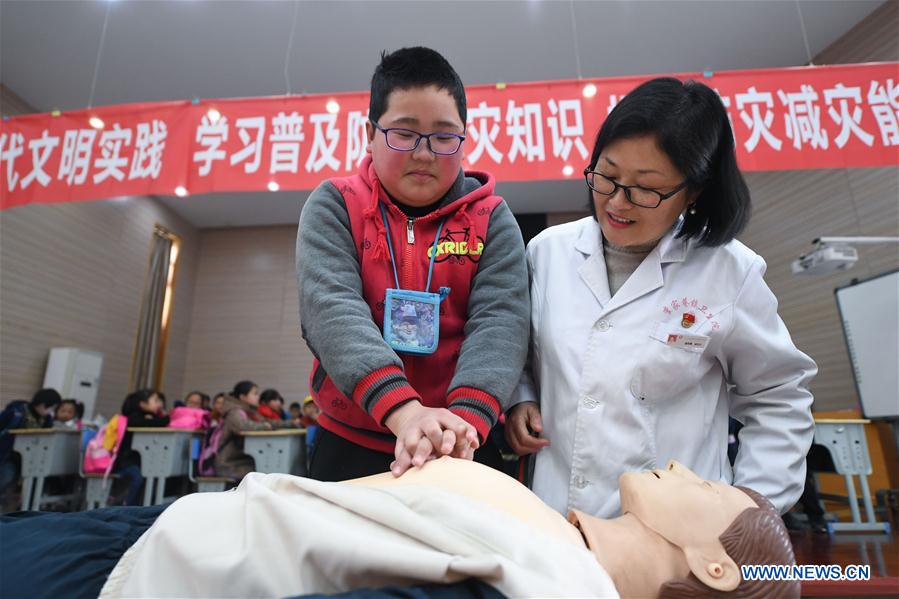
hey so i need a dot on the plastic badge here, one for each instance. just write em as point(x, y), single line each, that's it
point(412, 320)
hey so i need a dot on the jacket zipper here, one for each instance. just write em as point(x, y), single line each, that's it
point(408, 256)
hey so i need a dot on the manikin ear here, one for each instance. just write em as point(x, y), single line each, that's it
point(713, 567)
point(369, 136)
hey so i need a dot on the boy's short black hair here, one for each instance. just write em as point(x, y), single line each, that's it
point(690, 125)
point(46, 397)
point(413, 67)
point(295, 404)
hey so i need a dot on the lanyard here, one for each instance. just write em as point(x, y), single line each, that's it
point(393, 259)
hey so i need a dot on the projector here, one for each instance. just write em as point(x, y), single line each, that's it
point(826, 259)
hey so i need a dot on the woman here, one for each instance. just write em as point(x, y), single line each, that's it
point(651, 324)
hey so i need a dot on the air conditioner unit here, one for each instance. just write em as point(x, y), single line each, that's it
point(75, 373)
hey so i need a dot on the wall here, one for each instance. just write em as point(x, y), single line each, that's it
point(73, 275)
point(245, 321)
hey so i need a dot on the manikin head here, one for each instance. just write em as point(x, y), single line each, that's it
point(716, 527)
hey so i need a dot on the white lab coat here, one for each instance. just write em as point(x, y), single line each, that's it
point(618, 393)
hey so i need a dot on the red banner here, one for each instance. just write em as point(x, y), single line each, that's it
point(796, 118)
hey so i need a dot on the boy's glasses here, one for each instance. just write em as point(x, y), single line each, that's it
point(406, 140)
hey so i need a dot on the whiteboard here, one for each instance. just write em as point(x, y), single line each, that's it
point(869, 311)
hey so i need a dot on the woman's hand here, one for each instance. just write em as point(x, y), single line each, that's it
point(523, 425)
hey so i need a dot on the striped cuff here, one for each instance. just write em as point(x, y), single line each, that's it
point(381, 391)
point(476, 407)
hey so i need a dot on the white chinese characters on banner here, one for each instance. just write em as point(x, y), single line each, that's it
point(884, 101)
point(110, 162)
point(803, 117)
point(251, 152)
point(483, 129)
point(324, 143)
point(524, 125)
point(849, 118)
point(75, 162)
point(567, 127)
point(759, 124)
point(16, 146)
point(287, 134)
point(41, 148)
point(356, 138)
point(211, 136)
point(148, 149)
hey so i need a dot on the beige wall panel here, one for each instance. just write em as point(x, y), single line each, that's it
point(73, 275)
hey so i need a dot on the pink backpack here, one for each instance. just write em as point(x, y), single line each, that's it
point(210, 447)
point(192, 418)
point(102, 449)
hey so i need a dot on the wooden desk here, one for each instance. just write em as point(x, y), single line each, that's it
point(279, 451)
point(164, 452)
point(45, 452)
point(845, 440)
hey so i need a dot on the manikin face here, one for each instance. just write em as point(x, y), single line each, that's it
point(638, 161)
point(419, 177)
point(680, 506)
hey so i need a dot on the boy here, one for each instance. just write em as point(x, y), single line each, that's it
point(360, 235)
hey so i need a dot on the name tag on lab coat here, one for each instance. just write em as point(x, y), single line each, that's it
point(694, 343)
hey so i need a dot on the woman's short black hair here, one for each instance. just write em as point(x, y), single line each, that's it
point(410, 68)
point(690, 124)
point(242, 388)
point(270, 395)
point(132, 403)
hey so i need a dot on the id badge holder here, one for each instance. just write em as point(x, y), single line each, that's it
point(412, 320)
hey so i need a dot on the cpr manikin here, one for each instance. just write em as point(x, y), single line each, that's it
point(679, 536)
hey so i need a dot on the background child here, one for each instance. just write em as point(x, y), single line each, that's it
point(271, 405)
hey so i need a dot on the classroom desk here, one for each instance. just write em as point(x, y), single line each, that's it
point(277, 451)
point(845, 440)
point(164, 452)
point(45, 452)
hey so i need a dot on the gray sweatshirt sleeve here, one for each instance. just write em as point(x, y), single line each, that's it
point(496, 334)
point(336, 321)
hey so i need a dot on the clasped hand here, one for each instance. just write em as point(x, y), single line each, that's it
point(424, 433)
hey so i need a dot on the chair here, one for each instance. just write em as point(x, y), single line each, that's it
point(205, 484)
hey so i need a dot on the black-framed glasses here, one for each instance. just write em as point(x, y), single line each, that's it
point(406, 140)
point(636, 195)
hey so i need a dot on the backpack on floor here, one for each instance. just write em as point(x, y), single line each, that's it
point(102, 449)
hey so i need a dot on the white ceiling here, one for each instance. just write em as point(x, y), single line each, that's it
point(164, 50)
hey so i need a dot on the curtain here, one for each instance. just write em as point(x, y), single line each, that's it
point(149, 334)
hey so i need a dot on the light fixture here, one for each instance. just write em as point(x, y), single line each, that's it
point(332, 106)
point(589, 90)
point(213, 115)
point(96, 122)
point(273, 186)
point(568, 170)
point(180, 191)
